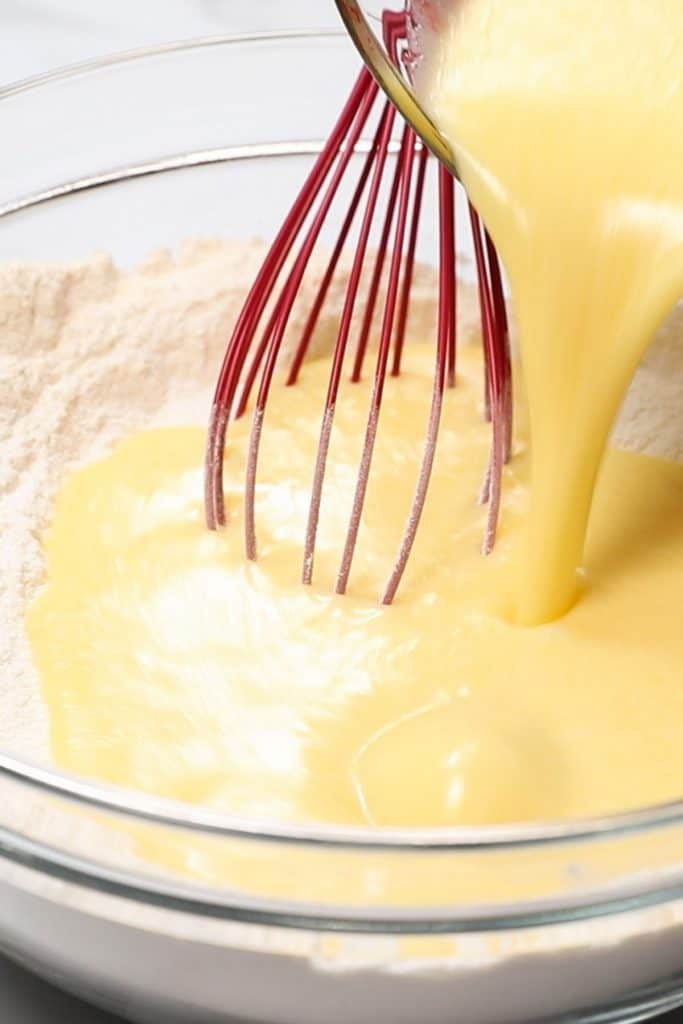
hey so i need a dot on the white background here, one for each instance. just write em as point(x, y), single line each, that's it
point(39, 34)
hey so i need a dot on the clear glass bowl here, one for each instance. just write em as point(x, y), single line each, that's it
point(212, 137)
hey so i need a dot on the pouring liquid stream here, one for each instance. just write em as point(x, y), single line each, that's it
point(573, 156)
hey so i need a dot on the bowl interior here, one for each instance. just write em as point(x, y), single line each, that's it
point(214, 138)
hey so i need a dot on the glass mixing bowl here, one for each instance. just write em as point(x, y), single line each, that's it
point(580, 921)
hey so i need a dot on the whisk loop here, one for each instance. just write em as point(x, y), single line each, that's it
point(250, 358)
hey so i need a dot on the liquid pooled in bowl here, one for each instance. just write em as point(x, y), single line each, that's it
point(171, 664)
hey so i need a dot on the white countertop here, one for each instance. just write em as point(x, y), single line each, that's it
point(26, 1000)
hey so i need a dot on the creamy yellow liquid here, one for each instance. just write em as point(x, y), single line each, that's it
point(566, 121)
point(172, 665)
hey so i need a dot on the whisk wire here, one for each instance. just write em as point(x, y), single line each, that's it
point(497, 363)
point(388, 118)
point(247, 357)
point(277, 326)
point(406, 163)
point(406, 287)
point(257, 299)
point(444, 369)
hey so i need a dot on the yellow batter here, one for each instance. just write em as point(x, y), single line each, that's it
point(172, 665)
point(566, 121)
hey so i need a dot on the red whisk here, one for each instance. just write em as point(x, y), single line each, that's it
point(252, 353)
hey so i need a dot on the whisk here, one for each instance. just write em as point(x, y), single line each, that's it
point(252, 353)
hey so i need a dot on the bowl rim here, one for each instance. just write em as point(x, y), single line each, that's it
point(176, 814)
point(100, 63)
